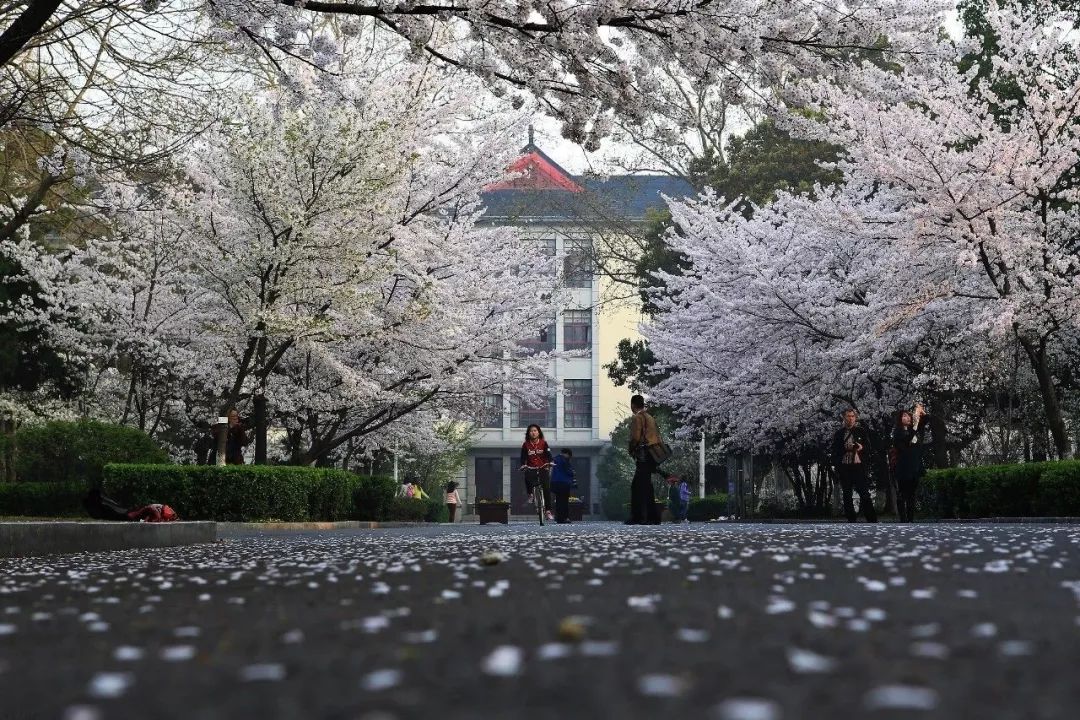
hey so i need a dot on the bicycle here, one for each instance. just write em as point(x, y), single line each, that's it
point(533, 482)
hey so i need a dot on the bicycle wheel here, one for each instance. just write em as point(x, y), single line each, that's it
point(538, 498)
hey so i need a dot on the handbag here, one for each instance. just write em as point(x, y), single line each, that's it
point(659, 452)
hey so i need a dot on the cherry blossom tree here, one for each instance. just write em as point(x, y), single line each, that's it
point(581, 60)
point(952, 237)
point(318, 260)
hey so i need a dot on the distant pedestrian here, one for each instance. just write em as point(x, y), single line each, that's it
point(452, 499)
point(851, 458)
point(562, 482)
point(678, 498)
point(236, 440)
point(906, 458)
point(643, 434)
point(536, 463)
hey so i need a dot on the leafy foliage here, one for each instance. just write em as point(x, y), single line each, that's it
point(66, 452)
point(1022, 490)
point(250, 493)
point(42, 499)
point(707, 508)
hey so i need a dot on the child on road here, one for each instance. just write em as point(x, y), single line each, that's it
point(678, 498)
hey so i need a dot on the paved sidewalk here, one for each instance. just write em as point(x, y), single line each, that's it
point(591, 620)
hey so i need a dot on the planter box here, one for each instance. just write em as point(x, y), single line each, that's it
point(577, 511)
point(493, 513)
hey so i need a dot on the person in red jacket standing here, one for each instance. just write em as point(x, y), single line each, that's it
point(536, 463)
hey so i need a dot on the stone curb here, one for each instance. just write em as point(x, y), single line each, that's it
point(24, 539)
point(939, 521)
point(229, 528)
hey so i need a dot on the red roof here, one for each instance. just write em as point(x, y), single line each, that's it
point(536, 171)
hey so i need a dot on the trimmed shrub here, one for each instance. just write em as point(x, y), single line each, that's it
point(437, 512)
point(709, 507)
point(403, 509)
point(42, 499)
point(251, 493)
point(374, 499)
point(64, 452)
point(331, 496)
point(1059, 490)
point(1002, 490)
point(942, 494)
point(1023, 490)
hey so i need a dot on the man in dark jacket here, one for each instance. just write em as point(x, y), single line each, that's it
point(851, 457)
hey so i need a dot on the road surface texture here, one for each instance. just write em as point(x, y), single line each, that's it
point(726, 622)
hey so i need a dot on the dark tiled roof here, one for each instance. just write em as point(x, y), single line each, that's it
point(617, 198)
point(626, 198)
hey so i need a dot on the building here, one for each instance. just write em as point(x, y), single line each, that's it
point(567, 214)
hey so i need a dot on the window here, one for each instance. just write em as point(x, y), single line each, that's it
point(524, 413)
point(577, 265)
point(577, 330)
point(547, 247)
point(543, 341)
point(577, 403)
point(491, 411)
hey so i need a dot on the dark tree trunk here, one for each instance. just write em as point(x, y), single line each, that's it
point(1055, 418)
point(259, 411)
point(7, 450)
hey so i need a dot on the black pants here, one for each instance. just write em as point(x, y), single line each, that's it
point(853, 477)
point(542, 476)
point(452, 508)
point(562, 503)
point(908, 472)
point(643, 509)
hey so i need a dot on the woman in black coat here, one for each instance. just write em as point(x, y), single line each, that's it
point(908, 439)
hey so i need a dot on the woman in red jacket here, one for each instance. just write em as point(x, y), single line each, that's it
point(536, 463)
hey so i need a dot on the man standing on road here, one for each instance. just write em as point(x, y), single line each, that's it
point(851, 457)
point(643, 433)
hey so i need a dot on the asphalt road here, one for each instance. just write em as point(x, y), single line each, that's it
point(590, 620)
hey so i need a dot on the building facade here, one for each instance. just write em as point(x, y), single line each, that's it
point(565, 214)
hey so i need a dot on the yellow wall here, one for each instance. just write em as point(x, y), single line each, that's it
point(614, 322)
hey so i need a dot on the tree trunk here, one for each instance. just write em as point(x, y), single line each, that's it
point(259, 408)
point(1055, 418)
point(938, 435)
point(7, 450)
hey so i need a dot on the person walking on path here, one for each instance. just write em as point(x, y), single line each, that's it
point(851, 458)
point(452, 499)
point(562, 482)
point(643, 434)
point(535, 461)
point(908, 440)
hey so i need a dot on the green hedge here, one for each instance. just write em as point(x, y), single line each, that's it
point(709, 507)
point(243, 493)
point(65, 452)
point(437, 512)
point(376, 498)
point(42, 499)
point(1026, 490)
